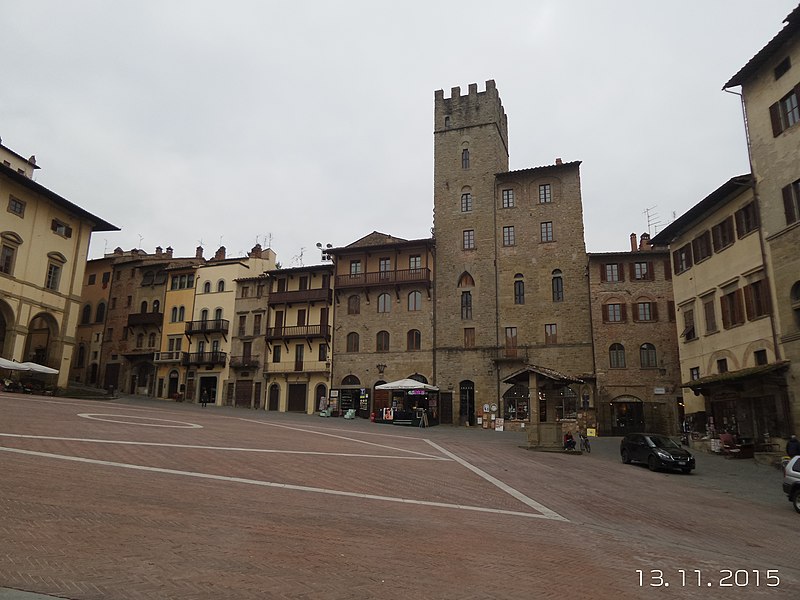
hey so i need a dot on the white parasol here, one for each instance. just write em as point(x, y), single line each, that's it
point(406, 384)
point(37, 368)
point(13, 365)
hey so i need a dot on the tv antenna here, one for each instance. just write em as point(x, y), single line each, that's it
point(298, 258)
point(653, 221)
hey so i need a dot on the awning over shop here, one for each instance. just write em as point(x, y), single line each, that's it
point(735, 376)
point(12, 365)
point(522, 375)
point(406, 384)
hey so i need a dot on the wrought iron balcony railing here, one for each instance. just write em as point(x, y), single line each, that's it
point(299, 331)
point(208, 326)
point(248, 361)
point(314, 295)
point(204, 358)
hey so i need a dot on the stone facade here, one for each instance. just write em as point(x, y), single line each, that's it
point(511, 287)
point(770, 84)
point(383, 315)
point(95, 298)
point(635, 340)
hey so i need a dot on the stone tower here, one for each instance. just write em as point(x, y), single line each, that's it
point(470, 146)
point(511, 288)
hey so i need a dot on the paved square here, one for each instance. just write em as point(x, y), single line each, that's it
point(162, 500)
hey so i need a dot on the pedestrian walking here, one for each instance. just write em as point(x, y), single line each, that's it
point(204, 397)
point(793, 446)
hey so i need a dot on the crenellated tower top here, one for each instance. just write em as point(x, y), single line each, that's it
point(472, 109)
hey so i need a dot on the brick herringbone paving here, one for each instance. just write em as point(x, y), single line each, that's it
point(245, 507)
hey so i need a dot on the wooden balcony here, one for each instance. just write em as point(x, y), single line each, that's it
point(378, 278)
point(209, 326)
point(145, 319)
point(168, 357)
point(204, 358)
point(300, 296)
point(248, 361)
point(299, 331)
point(291, 366)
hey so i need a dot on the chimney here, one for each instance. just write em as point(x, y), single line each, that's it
point(558, 161)
point(256, 251)
point(633, 242)
point(220, 254)
point(198, 253)
point(118, 251)
point(644, 242)
point(159, 251)
point(169, 251)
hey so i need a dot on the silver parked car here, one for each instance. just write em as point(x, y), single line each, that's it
point(791, 481)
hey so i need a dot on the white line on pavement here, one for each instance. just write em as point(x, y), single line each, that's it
point(546, 512)
point(230, 449)
point(300, 488)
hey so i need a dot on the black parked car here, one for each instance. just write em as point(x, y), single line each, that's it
point(657, 451)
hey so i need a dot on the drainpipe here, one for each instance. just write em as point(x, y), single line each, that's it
point(762, 244)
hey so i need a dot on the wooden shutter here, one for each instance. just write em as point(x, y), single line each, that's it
point(667, 271)
point(775, 117)
point(726, 317)
point(605, 313)
point(634, 312)
point(739, 309)
point(788, 205)
point(632, 270)
point(748, 302)
point(623, 312)
point(654, 311)
point(621, 271)
point(651, 273)
point(603, 272)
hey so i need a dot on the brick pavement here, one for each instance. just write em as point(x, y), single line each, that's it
point(251, 505)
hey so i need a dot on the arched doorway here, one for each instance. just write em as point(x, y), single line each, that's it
point(627, 415)
point(321, 395)
point(93, 373)
point(466, 412)
point(274, 397)
point(172, 384)
point(42, 331)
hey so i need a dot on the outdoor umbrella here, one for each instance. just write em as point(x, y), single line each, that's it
point(406, 384)
point(36, 368)
point(13, 365)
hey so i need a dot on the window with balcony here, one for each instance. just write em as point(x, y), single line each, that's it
point(276, 354)
point(355, 267)
point(257, 324)
point(414, 262)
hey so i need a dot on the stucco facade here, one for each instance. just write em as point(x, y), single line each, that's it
point(44, 240)
point(770, 85)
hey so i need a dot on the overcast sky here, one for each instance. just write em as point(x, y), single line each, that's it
point(292, 123)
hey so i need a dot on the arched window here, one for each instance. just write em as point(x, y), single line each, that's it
point(647, 356)
point(616, 356)
point(414, 301)
point(382, 341)
point(181, 313)
point(354, 305)
point(218, 314)
point(384, 303)
point(221, 285)
point(519, 289)
point(558, 286)
point(100, 315)
point(465, 158)
point(466, 202)
point(352, 342)
point(143, 308)
point(413, 340)
point(151, 340)
point(81, 355)
point(466, 280)
point(140, 340)
point(174, 314)
point(156, 306)
point(204, 314)
point(207, 287)
point(351, 380)
point(86, 315)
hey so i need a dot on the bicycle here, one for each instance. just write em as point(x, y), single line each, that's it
point(585, 446)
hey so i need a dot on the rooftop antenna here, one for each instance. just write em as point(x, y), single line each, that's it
point(140, 240)
point(268, 237)
point(653, 221)
point(220, 241)
point(298, 259)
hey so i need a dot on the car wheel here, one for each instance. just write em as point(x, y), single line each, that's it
point(796, 500)
point(686, 471)
point(626, 457)
point(652, 464)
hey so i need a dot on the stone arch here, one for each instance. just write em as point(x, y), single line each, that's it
point(40, 343)
point(7, 321)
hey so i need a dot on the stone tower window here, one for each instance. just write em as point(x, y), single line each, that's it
point(465, 158)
